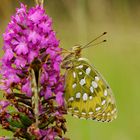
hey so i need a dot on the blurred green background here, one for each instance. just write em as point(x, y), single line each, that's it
point(79, 21)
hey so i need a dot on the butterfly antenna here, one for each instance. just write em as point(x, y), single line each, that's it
point(88, 44)
point(96, 44)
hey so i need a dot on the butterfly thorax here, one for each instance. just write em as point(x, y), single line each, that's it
point(70, 59)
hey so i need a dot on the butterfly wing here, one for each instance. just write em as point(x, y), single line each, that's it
point(87, 94)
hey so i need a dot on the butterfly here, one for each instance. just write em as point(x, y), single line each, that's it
point(87, 94)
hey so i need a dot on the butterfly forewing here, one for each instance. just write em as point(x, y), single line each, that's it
point(87, 94)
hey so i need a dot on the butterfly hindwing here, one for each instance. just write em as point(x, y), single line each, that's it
point(87, 94)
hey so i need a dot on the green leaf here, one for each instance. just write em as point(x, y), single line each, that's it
point(15, 123)
point(25, 120)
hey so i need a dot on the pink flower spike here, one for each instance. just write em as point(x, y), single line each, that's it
point(3, 105)
point(31, 81)
point(59, 98)
point(21, 48)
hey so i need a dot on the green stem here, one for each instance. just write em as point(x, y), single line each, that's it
point(39, 2)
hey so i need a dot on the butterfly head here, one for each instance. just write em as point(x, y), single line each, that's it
point(75, 53)
point(77, 50)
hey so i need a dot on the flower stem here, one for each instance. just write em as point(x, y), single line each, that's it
point(39, 2)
